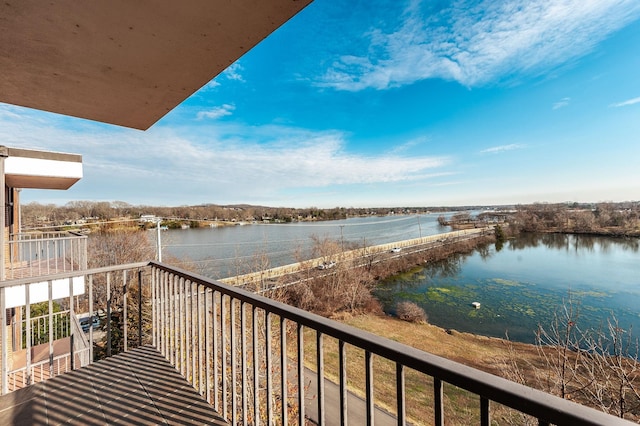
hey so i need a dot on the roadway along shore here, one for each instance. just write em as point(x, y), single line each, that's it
point(270, 279)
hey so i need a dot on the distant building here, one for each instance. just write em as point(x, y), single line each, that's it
point(145, 218)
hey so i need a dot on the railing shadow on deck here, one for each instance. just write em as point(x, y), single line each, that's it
point(246, 355)
point(138, 387)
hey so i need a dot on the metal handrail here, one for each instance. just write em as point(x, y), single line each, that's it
point(43, 253)
point(549, 409)
point(202, 327)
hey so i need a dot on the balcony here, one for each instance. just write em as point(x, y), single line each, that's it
point(33, 254)
point(180, 347)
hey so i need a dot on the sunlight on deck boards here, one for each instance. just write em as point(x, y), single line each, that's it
point(138, 387)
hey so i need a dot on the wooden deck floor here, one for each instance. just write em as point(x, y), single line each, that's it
point(135, 388)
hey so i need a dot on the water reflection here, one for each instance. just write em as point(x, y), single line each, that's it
point(522, 285)
point(574, 242)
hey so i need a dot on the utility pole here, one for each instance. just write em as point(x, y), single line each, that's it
point(159, 241)
point(419, 227)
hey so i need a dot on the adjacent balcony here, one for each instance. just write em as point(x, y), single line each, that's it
point(150, 343)
point(34, 254)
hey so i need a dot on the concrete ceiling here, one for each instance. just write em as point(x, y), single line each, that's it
point(125, 62)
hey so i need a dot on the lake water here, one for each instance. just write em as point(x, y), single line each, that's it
point(230, 250)
point(524, 283)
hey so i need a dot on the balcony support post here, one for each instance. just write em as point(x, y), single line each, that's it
point(155, 300)
point(108, 314)
point(164, 295)
point(180, 325)
point(71, 335)
point(342, 358)
point(174, 333)
point(256, 376)
point(3, 196)
point(234, 372)
point(223, 356)
point(300, 374)
point(3, 344)
point(50, 290)
point(200, 314)
point(438, 409)
point(193, 332)
point(216, 344)
point(125, 311)
point(342, 353)
point(400, 401)
point(368, 356)
point(243, 360)
point(27, 313)
point(320, 376)
point(269, 369)
point(207, 343)
point(283, 370)
point(91, 315)
point(485, 419)
point(139, 308)
point(188, 334)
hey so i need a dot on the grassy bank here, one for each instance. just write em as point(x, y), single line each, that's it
point(484, 353)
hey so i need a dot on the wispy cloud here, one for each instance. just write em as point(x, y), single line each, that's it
point(561, 103)
point(626, 103)
point(210, 85)
point(234, 72)
point(502, 148)
point(409, 145)
point(480, 43)
point(216, 112)
point(229, 162)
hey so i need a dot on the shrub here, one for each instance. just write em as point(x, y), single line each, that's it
point(409, 311)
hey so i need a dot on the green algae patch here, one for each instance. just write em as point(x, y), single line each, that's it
point(506, 283)
point(452, 294)
point(523, 310)
point(590, 293)
point(435, 294)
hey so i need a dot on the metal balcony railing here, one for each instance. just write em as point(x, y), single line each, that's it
point(34, 254)
point(39, 329)
point(258, 361)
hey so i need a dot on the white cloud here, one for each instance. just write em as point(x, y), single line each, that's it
point(480, 43)
point(217, 112)
point(561, 103)
point(222, 162)
point(211, 85)
point(234, 72)
point(409, 145)
point(626, 103)
point(502, 148)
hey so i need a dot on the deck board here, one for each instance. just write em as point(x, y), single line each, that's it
point(135, 388)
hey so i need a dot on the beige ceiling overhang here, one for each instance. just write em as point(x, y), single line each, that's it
point(125, 62)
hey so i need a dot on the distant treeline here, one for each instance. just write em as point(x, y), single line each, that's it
point(36, 214)
point(598, 218)
point(622, 219)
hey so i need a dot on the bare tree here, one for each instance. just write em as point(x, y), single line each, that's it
point(598, 368)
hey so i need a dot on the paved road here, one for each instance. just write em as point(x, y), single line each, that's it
point(302, 275)
point(355, 405)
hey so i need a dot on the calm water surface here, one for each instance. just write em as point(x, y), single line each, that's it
point(524, 283)
point(233, 250)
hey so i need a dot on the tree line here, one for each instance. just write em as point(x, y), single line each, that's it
point(36, 214)
point(621, 219)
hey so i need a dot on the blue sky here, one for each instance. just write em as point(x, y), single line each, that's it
point(386, 103)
